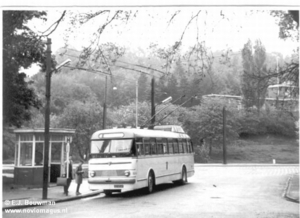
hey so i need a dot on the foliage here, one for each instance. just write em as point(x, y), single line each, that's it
point(85, 118)
point(126, 114)
point(276, 122)
point(21, 48)
point(9, 143)
point(254, 80)
point(206, 122)
point(288, 22)
point(201, 154)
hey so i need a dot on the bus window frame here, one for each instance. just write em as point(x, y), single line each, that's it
point(147, 146)
point(140, 151)
point(184, 145)
point(159, 146)
point(153, 149)
point(164, 142)
point(170, 145)
point(180, 146)
point(175, 145)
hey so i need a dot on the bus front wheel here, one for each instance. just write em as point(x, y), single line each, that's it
point(150, 183)
point(108, 193)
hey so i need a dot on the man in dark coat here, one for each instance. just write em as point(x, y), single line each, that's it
point(78, 176)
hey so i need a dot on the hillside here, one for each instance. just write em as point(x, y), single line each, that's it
point(259, 149)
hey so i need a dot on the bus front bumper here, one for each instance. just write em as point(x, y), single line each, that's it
point(111, 180)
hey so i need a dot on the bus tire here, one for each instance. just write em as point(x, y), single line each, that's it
point(183, 179)
point(151, 182)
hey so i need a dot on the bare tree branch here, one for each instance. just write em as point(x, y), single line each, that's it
point(56, 23)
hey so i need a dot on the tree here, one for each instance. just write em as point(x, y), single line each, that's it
point(254, 77)
point(289, 29)
point(206, 122)
point(172, 87)
point(85, 118)
point(21, 48)
point(143, 87)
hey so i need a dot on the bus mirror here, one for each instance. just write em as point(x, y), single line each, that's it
point(84, 157)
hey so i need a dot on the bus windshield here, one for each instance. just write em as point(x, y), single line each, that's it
point(111, 147)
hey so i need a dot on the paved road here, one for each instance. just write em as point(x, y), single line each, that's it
point(212, 192)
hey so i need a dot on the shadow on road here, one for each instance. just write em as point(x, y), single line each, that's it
point(143, 192)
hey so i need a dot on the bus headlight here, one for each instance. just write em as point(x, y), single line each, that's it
point(127, 173)
point(92, 173)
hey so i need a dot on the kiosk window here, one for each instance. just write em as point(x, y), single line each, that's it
point(39, 151)
point(26, 154)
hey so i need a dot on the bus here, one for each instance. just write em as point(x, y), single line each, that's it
point(122, 160)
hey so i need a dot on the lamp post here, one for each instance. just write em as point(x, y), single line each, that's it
point(104, 104)
point(152, 103)
point(47, 115)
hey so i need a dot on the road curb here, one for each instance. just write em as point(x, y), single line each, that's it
point(244, 165)
point(53, 200)
point(287, 189)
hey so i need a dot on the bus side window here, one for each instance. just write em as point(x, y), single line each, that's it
point(192, 147)
point(170, 145)
point(139, 146)
point(159, 146)
point(153, 146)
point(165, 146)
point(175, 145)
point(180, 145)
point(184, 146)
point(147, 146)
point(188, 146)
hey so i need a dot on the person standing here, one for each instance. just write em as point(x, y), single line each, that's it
point(69, 171)
point(78, 176)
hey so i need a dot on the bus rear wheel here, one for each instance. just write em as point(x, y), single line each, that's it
point(151, 183)
point(183, 179)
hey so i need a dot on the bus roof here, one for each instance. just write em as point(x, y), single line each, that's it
point(132, 133)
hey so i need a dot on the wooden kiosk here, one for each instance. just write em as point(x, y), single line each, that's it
point(29, 155)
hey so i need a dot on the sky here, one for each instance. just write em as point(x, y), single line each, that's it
point(220, 28)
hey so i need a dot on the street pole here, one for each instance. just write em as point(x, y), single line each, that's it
point(104, 104)
point(152, 104)
point(224, 136)
point(47, 120)
point(137, 101)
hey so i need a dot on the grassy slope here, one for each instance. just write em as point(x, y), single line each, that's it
point(260, 149)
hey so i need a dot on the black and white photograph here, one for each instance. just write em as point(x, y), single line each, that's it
point(134, 110)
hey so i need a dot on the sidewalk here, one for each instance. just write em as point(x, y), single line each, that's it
point(23, 197)
point(292, 190)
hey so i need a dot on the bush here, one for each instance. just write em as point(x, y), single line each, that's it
point(267, 122)
point(201, 154)
point(206, 122)
point(279, 123)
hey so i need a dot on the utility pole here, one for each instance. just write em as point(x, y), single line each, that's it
point(104, 104)
point(137, 101)
point(152, 104)
point(224, 136)
point(47, 120)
